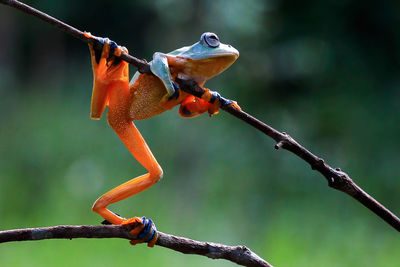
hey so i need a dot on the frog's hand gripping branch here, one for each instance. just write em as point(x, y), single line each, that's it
point(159, 67)
point(111, 87)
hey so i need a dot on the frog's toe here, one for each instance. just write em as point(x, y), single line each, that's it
point(176, 91)
point(223, 101)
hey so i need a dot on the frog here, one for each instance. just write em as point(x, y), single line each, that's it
point(148, 95)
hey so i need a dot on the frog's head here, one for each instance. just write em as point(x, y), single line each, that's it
point(206, 58)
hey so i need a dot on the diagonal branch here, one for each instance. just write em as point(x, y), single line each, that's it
point(237, 254)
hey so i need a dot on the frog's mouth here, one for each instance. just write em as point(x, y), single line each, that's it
point(202, 70)
point(215, 65)
point(225, 50)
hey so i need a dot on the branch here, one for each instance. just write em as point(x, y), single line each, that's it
point(238, 254)
point(336, 178)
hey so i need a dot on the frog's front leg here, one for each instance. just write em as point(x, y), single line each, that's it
point(217, 101)
point(160, 68)
point(193, 106)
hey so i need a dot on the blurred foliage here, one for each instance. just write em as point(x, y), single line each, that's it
point(326, 72)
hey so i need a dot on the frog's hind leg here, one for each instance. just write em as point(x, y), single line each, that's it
point(116, 84)
point(118, 118)
point(135, 143)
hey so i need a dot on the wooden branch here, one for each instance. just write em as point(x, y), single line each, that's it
point(237, 254)
point(336, 178)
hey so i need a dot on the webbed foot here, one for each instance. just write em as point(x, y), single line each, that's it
point(144, 231)
point(110, 50)
point(107, 68)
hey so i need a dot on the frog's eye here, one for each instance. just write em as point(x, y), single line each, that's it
point(211, 39)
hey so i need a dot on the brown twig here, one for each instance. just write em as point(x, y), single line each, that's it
point(336, 178)
point(238, 254)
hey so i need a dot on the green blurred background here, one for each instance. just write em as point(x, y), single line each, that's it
point(326, 72)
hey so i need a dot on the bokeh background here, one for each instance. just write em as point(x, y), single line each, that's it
point(326, 72)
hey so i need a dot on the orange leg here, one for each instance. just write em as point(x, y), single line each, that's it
point(111, 87)
point(193, 106)
point(118, 118)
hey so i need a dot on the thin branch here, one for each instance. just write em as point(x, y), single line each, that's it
point(336, 178)
point(237, 254)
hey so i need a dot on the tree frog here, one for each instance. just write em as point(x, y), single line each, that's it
point(146, 96)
